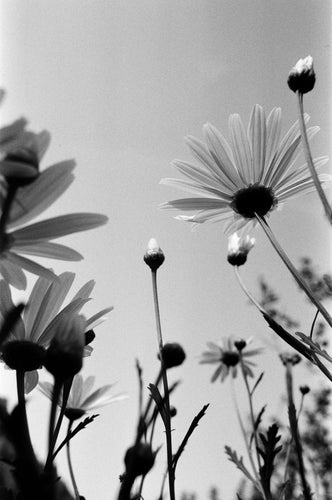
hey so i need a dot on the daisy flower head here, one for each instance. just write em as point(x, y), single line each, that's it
point(82, 397)
point(19, 238)
point(238, 248)
point(42, 316)
point(255, 173)
point(227, 354)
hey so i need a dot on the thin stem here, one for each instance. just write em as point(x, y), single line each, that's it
point(313, 324)
point(246, 291)
point(256, 481)
point(252, 417)
point(310, 163)
point(51, 433)
point(295, 432)
point(302, 284)
point(71, 470)
point(171, 476)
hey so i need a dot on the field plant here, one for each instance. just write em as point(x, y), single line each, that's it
point(236, 183)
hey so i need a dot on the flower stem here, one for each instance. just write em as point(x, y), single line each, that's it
point(256, 480)
point(246, 291)
point(310, 163)
point(302, 284)
point(70, 465)
point(20, 376)
point(171, 476)
point(252, 417)
point(51, 434)
point(295, 433)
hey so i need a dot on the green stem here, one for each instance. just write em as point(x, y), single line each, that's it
point(302, 284)
point(171, 476)
point(70, 465)
point(310, 163)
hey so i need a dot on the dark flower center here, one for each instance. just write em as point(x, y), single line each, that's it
point(230, 358)
point(255, 199)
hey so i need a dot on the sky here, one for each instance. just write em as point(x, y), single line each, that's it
point(119, 84)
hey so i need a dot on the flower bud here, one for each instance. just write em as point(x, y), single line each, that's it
point(240, 344)
point(139, 459)
point(304, 389)
point(173, 355)
point(302, 76)
point(154, 256)
point(23, 355)
point(289, 358)
point(238, 249)
point(20, 167)
point(65, 354)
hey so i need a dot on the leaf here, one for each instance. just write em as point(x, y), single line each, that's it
point(268, 452)
point(191, 429)
point(256, 383)
point(82, 425)
point(256, 424)
point(315, 346)
point(157, 398)
point(232, 456)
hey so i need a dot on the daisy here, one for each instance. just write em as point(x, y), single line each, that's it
point(227, 354)
point(44, 312)
point(17, 236)
point(234, 183)
point(82, 398)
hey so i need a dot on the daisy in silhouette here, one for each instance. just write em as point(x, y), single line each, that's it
point(40, 319)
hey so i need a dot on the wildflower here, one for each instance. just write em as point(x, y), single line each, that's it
point(238, 249)
point(64, 357)
point(173, 354)
point(302, 77)
point(43, 314)
point(252, 176)
point(154, 256)
point(227, 356)
point(17, 237)
point(82, 398)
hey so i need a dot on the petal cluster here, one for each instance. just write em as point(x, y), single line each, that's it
point(256, 171)
point(45, 311)
point(20, 239)
point(226, 356)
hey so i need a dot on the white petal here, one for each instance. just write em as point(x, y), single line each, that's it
point(241, 149)
point(59, 226)
point(257, 137)
point(30, 266)
point(195, 204)
point(196, 188)
point(13, 274)
point(48, 249)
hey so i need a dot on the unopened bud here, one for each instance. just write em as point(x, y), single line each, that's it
point(302, 77)
point(154, 256)
point(238, 249)
point(65, 354)
point(289, 359)
point(23, 355)
point(139, 459)
point(304, 389)
point(20, 167)
point(173, 355)
point(240, 344)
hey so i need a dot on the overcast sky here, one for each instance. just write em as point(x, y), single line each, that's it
point(119, 84)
